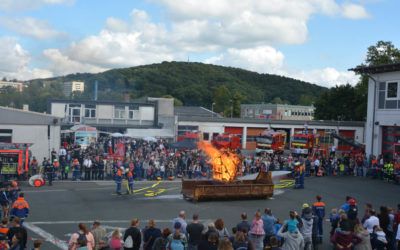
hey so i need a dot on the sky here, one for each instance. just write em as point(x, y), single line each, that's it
point(311, 40)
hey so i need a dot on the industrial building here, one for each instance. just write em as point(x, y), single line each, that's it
point(383, 112)
point(271, 111)
point(20, 126)
point(70, 87)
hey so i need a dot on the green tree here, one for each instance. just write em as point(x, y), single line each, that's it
point(383, 52)
point(277, 100)
point(177, 102)
point(236, 104)
point(306, 100)
point(222, 99)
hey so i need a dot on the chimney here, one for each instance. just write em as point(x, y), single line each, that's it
point(127, 97)
point(25, 107)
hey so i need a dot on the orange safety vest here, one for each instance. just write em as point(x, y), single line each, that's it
point(20, 203)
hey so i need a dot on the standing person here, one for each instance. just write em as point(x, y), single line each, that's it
point(4, 201)
point(221, 229)
point(82, 233)
point(115, 242)
point(76, 172)
point(371, 221)
point(344, 239)
point(161, 242)
point(293, 239)
point(49, 170)
point(17, 229)
point(132, 236)
point(194, 231)
point(269, 221)
point(151, 233)
point(99, 234)
point(20, 208)
point(243, 223)
point(307, 229)
point(365, 243)
point(87, 164)
point(34, 165)
point(257, 233)
point(118, 181)
point(177, 240)
point(129, 177)
point(180, 219)
point(101, 169)
point(63, 169)
point(318, 209)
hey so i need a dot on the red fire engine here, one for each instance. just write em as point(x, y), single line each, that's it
point(226, 141)
point(303, 143)
point(14, 159)
point(194, 135)
point(271, 142)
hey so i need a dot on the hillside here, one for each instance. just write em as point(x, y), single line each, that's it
point(192, 83)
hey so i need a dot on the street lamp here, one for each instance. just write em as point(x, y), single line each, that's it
point(212, 109)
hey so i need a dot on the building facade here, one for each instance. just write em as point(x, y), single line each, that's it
point(19, 126)
point(70, 87)
point(383, 111)
point(271, 111)
point(17, 85)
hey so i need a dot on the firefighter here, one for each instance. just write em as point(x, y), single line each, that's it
point(130, 182)
point(76, 171)
point(13, 192)
point(34, 165)
point(397, 173)
point(118, 180)
point(390, 172)
point(20, 208)
point(375, 168)
point(49, 170)
point(299, 175)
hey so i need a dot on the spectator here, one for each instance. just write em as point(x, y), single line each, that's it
point(3, 242)
point(177, 240)
point(194, 231)
point(307, 228)
point(99, 235)
point(16, 242)
point(180, 219)
point(82, 244)
point(82, 233)
point(269, 221)
point(115, 241)
point(378, 239)
point(257, 233)
point(225, 244)
point(344, 239)
point(240, 242)
point(368, 207)
point(365, 243)
point(161, 242)
point(132, 236)
point(211, 243)
point(17, 229)
point(371, 221)
point(293, 240)
point(274, 243)
point(151, 233)
point(221, 229)
point(243, 223)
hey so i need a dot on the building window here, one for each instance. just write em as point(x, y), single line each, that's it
point(392, 90)
point(133, 112)
point(6, 135)
point(119, 112)
point(206, 136)
point(90, 111)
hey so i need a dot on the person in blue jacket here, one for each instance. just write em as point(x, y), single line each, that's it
point(20, 208)
point(4, 201)
point(118, 181)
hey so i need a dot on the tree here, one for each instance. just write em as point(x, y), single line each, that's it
point(306, 100)
point(382, 53)
point(277, 100)
point(236, 104)
point(222, 99)
point(177, 102)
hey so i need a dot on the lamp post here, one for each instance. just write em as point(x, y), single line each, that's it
point(212, 109)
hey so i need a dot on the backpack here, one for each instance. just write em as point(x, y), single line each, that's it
point(176, 244)
point(352, 214)
point(83, 236)
point(128, 242)
point(240, 246)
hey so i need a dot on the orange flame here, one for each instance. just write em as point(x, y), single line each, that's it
point(224, 163)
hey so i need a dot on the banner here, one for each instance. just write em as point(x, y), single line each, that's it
point(85, 138)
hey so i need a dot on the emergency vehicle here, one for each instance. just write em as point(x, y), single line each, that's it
point(271, 142)
point(303, 143)
point(226, 140)
point(14, 159)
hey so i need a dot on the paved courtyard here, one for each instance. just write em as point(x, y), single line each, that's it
point(57, 210)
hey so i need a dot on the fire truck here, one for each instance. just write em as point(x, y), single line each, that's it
point(226, 140)
point(304, 143)
point(193, 135)
point(14, 159)
point(271, 142)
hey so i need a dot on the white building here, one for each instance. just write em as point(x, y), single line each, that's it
point(20, 126)
point(17, 85)
point(383, 112)
point(69, 87)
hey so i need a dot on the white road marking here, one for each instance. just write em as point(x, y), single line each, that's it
point(49, 237)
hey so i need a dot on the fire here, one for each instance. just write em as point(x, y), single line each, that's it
point(224, 163)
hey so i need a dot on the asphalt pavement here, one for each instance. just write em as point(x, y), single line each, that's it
point(55, 211)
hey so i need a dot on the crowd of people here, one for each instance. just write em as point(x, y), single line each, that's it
point(301, 230)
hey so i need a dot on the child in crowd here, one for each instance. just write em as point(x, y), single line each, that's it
point(334, 219)
point(291, 224)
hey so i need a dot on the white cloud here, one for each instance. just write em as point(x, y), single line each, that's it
point(11, 5)
point(15, 61)
point(354, 11)
point(38, 29)
point(263, 59)
point(328, 77)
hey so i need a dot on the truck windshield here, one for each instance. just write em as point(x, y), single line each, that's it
point(300, 139)
point(222, 138)
point(264, 139)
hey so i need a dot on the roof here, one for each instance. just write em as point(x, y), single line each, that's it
point(148, 103)
point(384, 68)
point(23, 117)
point(194, 111)
point(262, 121)
point(277, 105)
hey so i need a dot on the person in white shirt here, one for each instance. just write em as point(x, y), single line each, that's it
point(87, 163)
point(371, 221)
